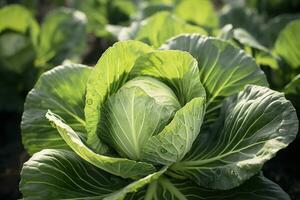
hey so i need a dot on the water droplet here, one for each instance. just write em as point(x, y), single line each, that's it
point(162, 150)
point(89, 101)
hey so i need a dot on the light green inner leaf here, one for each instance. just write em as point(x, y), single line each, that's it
point(109, 74)
point(140, 109)
point(179, 70)
point(156, 89)
point(176, 139)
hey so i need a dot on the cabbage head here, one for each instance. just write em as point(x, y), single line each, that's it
point(194, 119)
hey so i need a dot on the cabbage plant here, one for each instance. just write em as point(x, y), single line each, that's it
point(193, 119)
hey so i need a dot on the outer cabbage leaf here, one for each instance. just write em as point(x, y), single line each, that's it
point(258, 187)
point(288, 44)
point(150, 29)
point(62, 90)
point(252, 127)
point(117, 166)
point(62, 174)
point(224, 69)
point(62, 36)
point(109, 74)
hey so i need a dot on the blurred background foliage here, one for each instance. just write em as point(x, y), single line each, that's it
point(37, 35)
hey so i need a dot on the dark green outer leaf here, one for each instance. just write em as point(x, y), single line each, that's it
point(62, 174)
point(62, 90)
point(118, 166)
point(224, 69)
point(252, 127)
point(256, 188)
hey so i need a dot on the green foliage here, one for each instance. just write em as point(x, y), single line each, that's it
point(148, 30)
point(190, 120)
point(18, 34)
point(26, 49)
point(62, 37)
point(203, 13)
point(288, 46)
point(102, 12)
point(172, 115)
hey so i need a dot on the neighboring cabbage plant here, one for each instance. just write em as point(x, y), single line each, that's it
point(191, 120)
point(28, 49)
